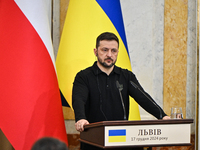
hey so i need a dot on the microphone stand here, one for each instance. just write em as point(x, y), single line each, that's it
point(135, 86)
point(120, 88)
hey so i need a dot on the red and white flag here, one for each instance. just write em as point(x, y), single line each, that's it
point(30, 105)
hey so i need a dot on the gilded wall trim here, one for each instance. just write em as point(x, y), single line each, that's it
point(175, 54)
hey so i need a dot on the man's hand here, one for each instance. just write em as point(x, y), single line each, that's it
point(79, 125)
point(166, 118)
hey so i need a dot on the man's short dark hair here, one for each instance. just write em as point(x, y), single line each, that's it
point(49, 143)
point(106, 36)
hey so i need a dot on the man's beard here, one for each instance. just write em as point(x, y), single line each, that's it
point(104, 64)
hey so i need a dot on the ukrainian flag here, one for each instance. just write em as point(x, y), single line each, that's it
point(117, 135)
point(85, 20)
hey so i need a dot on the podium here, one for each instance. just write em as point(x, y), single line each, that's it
point(130, 134)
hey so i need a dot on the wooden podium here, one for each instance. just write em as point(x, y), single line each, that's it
point(130, 134)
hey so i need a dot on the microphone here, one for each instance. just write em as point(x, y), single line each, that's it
point(136, 86)
point(120, 88)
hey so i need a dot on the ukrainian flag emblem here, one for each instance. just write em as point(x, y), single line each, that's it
point(117, 135)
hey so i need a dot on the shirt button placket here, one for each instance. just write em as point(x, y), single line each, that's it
point(107, 85)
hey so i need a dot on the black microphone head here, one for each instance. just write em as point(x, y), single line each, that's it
point(117, 84)
point(133, 84)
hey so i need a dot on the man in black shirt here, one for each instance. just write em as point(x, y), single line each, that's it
point(96, 95)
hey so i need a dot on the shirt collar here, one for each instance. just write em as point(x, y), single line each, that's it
point(96, 69)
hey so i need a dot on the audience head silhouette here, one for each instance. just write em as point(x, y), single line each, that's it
point(49, 143)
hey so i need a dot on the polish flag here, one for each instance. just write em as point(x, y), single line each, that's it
point(30, 104)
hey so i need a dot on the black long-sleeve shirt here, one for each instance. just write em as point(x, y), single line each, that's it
point(95, 96)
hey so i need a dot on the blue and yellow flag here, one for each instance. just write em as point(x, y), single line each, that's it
point(85, 20)
point(117, 135)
